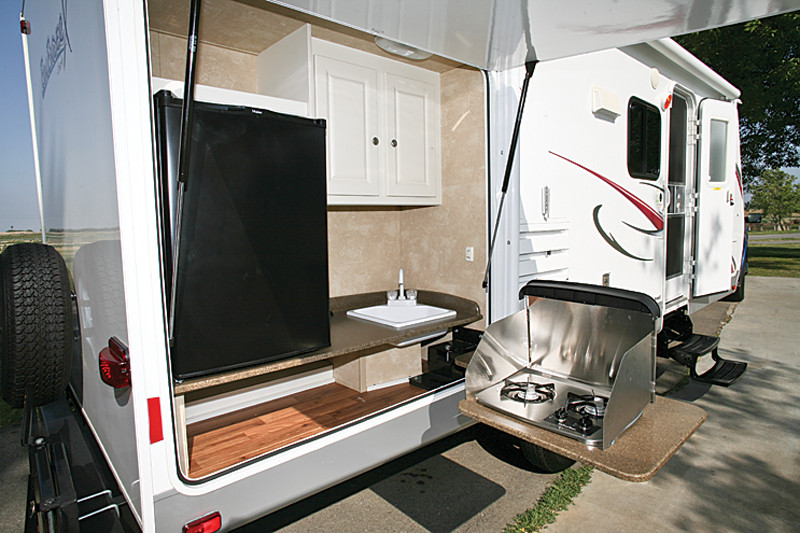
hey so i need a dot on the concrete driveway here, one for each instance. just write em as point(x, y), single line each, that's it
point(777, 238)
point(13, 480)
point(741, 471)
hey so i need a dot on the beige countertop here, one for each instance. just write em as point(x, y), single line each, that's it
point(637, 455)
point(350, 335)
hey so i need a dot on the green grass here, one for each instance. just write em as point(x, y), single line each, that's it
point(555, 499)
point(14, 237)
point(9, 416)
point(774, 259)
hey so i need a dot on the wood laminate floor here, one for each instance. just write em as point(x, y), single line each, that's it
point(223, 441)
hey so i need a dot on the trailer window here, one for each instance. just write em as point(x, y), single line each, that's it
point(644, 140)
point(719, 144)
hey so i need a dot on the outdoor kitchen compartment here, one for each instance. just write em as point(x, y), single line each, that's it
point(252, 269)
point(579, 360)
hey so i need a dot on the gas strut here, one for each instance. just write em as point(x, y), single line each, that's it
point(529, 66)
point(188, 92)
point(185, 141)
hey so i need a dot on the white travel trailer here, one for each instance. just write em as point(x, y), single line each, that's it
point(202, 321)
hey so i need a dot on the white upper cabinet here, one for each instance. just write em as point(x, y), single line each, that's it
point(346, 95)
point(382, 117)
point(412, 155)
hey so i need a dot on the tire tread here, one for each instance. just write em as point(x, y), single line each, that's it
point(36, 337)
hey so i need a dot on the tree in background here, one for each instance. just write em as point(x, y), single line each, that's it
point(762, 59)
point(776, 193)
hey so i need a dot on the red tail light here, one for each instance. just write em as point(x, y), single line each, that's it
point(207, 524)
point(114, 365)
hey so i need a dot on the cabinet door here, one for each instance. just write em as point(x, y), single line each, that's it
point(412, 137)
point(346, 95)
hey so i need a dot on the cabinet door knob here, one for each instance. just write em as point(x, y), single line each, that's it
point(394, 143)
point(375, 141)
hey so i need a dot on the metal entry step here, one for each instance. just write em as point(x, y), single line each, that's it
point(724, 372)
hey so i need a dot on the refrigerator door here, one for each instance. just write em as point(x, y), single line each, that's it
point(252, 270)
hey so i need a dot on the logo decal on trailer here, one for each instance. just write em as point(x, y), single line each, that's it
point(653, 216)
point(55, 49)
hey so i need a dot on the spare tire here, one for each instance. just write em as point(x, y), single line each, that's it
point(36, 332)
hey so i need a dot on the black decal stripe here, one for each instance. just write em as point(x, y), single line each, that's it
point(642, 230)
point(610, 239)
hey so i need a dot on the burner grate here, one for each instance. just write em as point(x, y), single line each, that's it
point(528, 392)
point(587, 405)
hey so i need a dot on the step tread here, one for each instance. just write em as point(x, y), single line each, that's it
point(723, 372)
point(696, 345)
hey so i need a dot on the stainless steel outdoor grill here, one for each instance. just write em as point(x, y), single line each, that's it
point(579, 360)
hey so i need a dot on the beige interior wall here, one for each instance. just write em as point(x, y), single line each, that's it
point(216, 66)
point(363, 249)
point(367, 246)
point(434, 240)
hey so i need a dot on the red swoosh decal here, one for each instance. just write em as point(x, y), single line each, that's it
point(652, 215)
point(739, 181)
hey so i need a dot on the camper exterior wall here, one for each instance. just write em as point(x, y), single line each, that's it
point(574, 184)
point(128, 80)
point(680, 66)
point(583, 159)
point(584, 215)
point(76, 106)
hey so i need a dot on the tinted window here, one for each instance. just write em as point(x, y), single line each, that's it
point(644, 140)
point(719, 143)
point(677, 141)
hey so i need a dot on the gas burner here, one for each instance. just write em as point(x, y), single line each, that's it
point(528, 392)
point(587, 405)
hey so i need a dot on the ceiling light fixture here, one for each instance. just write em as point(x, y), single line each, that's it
point(402, 50)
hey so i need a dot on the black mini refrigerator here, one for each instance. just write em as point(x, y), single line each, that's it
point(251, 284)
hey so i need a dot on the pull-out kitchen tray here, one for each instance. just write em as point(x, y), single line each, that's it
point(637, 455)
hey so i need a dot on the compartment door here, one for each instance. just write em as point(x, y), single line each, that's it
point(716, 180)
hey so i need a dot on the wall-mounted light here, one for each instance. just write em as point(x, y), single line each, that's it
point(402, 50)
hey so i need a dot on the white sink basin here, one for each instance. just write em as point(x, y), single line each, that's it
point(399, 317)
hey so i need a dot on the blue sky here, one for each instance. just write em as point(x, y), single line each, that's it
point(18, 204)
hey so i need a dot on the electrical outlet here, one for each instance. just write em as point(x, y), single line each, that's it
point(470, 255)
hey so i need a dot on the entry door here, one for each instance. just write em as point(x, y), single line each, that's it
point(715, 182)
point(678, 234)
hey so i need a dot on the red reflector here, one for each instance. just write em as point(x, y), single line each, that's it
point(154, 413)
point(207, 524)
point(667, 102)
point(25, 27)
point(114, 366)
